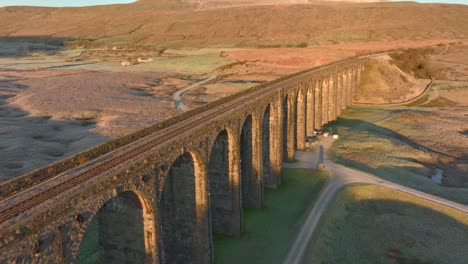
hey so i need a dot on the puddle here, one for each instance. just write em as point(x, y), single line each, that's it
point(140, 92)
point(438, 176)
point(244, 81)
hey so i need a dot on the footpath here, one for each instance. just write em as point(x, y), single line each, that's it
point(339, 176)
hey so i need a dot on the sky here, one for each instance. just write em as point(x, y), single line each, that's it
point(105, 2)
point(62, 2)
point(465, 2)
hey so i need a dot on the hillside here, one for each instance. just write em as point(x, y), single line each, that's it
point(181, 23)
point(384, 82)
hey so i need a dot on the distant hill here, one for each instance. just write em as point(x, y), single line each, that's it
point(198, 23)
point(219, 3)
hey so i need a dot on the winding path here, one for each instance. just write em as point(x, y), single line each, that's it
point(340, 176)
point(177, 96)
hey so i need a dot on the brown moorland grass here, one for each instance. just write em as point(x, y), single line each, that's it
point(163, 23)
point(384, 82)
point(414, 61)
point(404, 145)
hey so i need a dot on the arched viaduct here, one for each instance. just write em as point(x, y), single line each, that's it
point(161, 198)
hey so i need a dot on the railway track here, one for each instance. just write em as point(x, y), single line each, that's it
point(58, 189)
point(108, 162)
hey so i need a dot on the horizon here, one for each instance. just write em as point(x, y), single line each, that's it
point(62, 3)
point(83, 3)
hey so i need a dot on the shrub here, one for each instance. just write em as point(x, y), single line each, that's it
point(302, 45)
point(267, 46)
point(414, 61)
point(86, 116)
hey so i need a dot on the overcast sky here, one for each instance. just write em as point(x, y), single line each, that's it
point(105, 2)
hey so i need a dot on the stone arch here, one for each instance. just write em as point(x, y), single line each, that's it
point(250, 152)
point(354, 82)
point(310, 112)
point(300, 118)
point(183, 213)
point(358, 79)
point(339, 94)
point(267, 140)
point(331, 99)
point(344, 89)
point(325, 100)
point(288, 128)
point(224, 185)
point(318, 103)
point(349, 94)
point(121, 231)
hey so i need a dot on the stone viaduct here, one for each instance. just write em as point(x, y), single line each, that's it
point(161, 197)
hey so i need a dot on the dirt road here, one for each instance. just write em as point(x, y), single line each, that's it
point(176, 97)
point(340, 176)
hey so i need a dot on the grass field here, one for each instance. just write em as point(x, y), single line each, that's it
point(396, 143)
point(372, 224)
point(89, 253)
point(269, 232)
point(197, 64)
point(444, 94)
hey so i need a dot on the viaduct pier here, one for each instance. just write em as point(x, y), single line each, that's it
point(159, 195)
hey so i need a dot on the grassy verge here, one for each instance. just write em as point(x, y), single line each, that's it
point(269, 232)
point(197, 64)
point(372, 224)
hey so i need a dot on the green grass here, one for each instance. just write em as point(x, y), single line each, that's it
point(372, 224)
point(197, 64)
point(377, 141)
point(420, 101)
point(88, 253)
point(269, 232)
point(199, 51)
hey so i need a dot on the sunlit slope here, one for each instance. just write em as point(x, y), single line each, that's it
point(176, 23)
point(383, 82)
